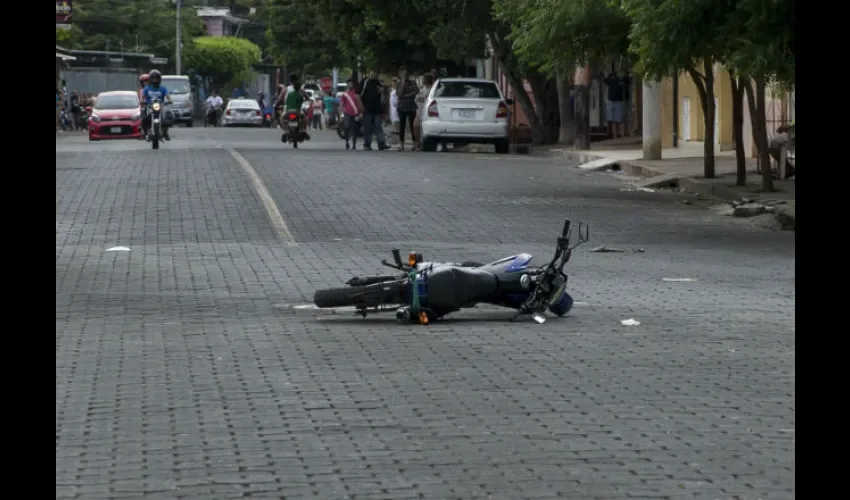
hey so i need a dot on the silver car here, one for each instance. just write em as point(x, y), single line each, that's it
point(242, 112)
point(463, 111)
point(180, 90)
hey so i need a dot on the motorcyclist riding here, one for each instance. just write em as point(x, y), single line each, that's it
point(155, 90)
point(293, 98)
point(214, 105)
point(261, 99)
point(143, 82)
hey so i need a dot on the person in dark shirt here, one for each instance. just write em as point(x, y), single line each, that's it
point(615, 109)
point(371, 95)
point(76, 110)
point(406, 91)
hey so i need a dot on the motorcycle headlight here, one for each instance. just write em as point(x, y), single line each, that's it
point(135, 117)
point(156, 106)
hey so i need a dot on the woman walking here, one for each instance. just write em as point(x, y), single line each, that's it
point(407, 91)
point(352, 110)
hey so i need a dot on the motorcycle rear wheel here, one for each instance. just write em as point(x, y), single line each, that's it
point(360, 296)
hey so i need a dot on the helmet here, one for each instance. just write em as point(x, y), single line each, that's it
point(144, 78)
point(155, 77)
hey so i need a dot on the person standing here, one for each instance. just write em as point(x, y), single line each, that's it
point(373, 109)
point(317, 113)
point(394, 106)
point(330, 116)
point(76, 110)
point(352, 111)
point(615, 109)
point(407, 91)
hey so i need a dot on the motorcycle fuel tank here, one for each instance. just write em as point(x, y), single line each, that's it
point(512, 264)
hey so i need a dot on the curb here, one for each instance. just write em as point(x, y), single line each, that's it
point(708, 189)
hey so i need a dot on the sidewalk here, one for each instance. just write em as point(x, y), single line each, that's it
point(684, 166)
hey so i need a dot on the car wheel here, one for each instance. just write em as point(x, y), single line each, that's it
point(190, 124)
point(503, 147)
point(429, 144)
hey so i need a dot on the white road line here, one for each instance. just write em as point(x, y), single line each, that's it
point(272, 211)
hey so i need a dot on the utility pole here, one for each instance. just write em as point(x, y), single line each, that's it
point(178, 51)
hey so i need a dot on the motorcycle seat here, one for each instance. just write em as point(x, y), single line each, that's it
point(454, 287)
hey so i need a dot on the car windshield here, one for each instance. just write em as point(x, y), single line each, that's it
point(176, 85)
point(475, 90)
point(243, 104)
point(117, 102)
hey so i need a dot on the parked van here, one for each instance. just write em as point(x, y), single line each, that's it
point(182, 97)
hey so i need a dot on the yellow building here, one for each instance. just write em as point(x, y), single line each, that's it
point(691, 126)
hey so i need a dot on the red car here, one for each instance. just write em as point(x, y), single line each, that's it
point(116, 115)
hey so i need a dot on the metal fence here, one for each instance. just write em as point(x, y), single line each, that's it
point(779, 108)
point(96, 80)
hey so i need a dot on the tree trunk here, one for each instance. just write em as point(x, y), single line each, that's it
point(582, 109)
point(759, 127)
point(705, 87)
point(516, 84)
point(764, 154)
point(738, 130)
point(567, 129)
point(546, 103)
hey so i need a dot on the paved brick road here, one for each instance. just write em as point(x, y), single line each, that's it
point(184, 372)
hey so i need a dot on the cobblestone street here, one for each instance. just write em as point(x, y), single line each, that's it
point(185, 369)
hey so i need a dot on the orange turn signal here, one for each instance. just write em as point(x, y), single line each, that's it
point(423, 318)
point(411, 259)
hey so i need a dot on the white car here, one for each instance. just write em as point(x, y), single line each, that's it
point(242, 112)
point(463, 111)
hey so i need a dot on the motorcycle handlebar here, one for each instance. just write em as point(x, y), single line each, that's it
point(566, 228)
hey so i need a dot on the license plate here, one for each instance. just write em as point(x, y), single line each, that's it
point(466, 113)
point(293, 124)
point(115, 130)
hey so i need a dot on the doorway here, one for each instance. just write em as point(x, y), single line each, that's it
point(686, 119)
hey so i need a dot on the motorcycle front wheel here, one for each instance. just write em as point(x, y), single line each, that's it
point(155, 136)
point(361, 296)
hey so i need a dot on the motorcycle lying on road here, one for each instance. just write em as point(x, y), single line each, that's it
point(429, 290)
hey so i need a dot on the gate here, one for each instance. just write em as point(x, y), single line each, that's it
point(97, 80)
point(779, 108)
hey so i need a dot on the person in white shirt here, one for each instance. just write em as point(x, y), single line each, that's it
point(215, 100)
point(393, 106)
point(214, 105)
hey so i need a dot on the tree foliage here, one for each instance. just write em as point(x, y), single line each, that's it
point(130, 26)
point(222, 59)
point(762, 40)
point(299, 37)
point(548, 34)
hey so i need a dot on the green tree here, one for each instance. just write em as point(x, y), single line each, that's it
point(671, 36)
point(554, 36)
point(762, 51)
point(388, 33)
point(224, 60)
point(131, 26)
point(298, 37)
